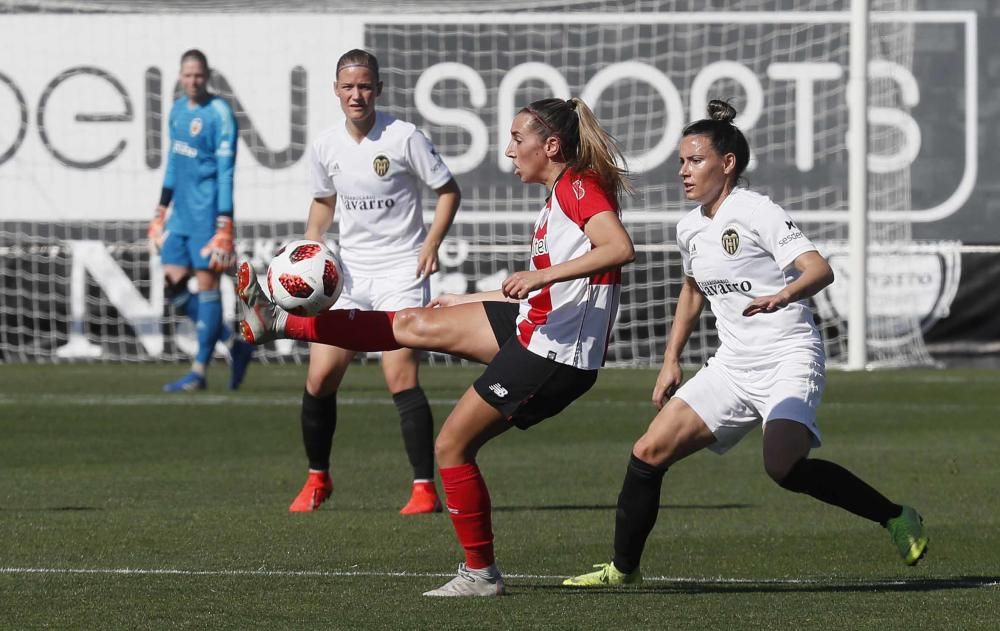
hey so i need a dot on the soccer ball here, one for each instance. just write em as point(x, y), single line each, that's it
point(304, 278)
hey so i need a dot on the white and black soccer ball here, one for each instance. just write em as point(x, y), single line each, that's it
point(304, 278)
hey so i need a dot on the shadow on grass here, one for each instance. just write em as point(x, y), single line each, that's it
point(48, 509)
point(571, 507)
point(791, 586)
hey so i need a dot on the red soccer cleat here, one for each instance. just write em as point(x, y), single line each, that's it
point(317, 489)
point(423, 499)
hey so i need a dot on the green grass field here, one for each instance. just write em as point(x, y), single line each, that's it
point(121, 507)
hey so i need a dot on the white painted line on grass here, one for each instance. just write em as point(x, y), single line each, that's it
point(970, 582)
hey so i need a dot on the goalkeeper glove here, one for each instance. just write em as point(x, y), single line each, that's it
point(156, 231)
point(220, 250)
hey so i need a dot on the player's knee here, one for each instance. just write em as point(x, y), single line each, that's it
point(652, 452)
point(321, 386)
point(177, 294)
point(447, 450)
point(785, 473)
point(410, 327)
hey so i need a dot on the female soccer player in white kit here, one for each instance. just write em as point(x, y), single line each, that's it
point(544, 334)
point(742, 253)
point(370, 172)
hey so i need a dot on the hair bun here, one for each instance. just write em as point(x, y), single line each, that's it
point(721, 111)
point(571, 104)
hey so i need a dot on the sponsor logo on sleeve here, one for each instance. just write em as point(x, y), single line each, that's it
point(578, 189)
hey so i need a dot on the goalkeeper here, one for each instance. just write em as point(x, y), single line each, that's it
point(196, 235)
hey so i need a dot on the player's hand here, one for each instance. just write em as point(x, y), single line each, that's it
point(446, 300)
point(221, 251)
point(667, 381)
point(765, 304)
point(519, 284)
point(427, 261)
point(156, 232)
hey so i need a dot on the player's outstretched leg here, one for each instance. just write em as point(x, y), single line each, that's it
point(468, 582)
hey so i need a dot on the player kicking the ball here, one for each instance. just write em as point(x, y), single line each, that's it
point(543, 334)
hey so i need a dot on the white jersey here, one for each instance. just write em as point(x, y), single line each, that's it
point(744, 252)
point(378, 184)
point(570, 322)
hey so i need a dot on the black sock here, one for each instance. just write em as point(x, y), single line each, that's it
point(638, 504)
point(831, 483)
point(319, 422)
point(417, 425)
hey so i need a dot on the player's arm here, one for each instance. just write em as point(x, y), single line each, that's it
point(689, 306)
point(221, 250)
point(449, 198)
point(611, 247)
point(814, 275)
point(320, 218)
point(450, 300)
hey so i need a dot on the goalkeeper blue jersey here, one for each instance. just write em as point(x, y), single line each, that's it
point(200, 165)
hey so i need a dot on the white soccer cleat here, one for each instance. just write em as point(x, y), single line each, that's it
point(260, 320)
point(485, 582)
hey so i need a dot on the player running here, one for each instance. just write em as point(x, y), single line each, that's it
point(197, 233)
point(370, 172)
point(742, 253)
point(544, 334)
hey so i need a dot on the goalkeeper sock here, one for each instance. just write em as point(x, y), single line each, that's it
point(469, 508)
point(209, 324)
point(353, 329)
point(417, 425)
point(831, 483)
point(319, 422)
point(638, 505)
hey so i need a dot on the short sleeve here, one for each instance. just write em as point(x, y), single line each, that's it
point(779, 235)
point(425, 161)
point(682, 247)
point(322, 183)
point(581, 197)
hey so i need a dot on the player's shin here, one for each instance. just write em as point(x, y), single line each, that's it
point(469, 507)
point(638, 505)
point(352, 329)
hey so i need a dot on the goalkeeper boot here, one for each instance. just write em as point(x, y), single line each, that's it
point(907, 532)
point(239, 360)
point(188, 383)
point(316, 490)
point(260, 317)
point(605, 575)
point(423, 499)
point(468, 582)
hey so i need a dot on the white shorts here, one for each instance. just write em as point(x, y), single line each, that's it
point(733, 401)
point(386, 290)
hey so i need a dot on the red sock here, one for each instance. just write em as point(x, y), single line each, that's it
point(468, 502)
point(353, 329)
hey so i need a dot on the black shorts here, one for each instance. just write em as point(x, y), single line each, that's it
point(528, 389)
point(503, 319)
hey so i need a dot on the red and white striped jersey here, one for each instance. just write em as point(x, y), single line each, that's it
point(570, 322)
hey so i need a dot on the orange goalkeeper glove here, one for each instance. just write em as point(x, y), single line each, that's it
point(156, 231)
point(221, 250)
